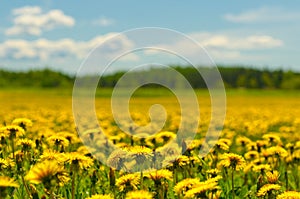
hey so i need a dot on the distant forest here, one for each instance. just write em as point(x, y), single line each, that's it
point(233, 77)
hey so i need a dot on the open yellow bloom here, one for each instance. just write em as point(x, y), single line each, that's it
point(141, 194)
point(99, 196)
point(129, 181)
point(232, 160)
point(272, 177)
point(49, 173)
point(289, 195)
point(267, 188)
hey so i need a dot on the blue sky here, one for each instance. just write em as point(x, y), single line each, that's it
point(60, 34)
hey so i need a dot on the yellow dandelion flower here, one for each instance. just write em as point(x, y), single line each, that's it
point(57, 140)
point(49, 173)
point(22, 122)
point(276, 150)
point(158, 175)
point(100, 196)
point(176, 161)
point(242, 140)
point(53, 155)
point(14, 131)
point(213, 172)
point(262, 168)
point(251, 146)
point(251, 155)
point(185, 185)
point(267, 188)
point(232, 160)
point(128, 182)
point(222, 145)
point(78, 160)
point(7, 182)
point(140, 153)
point(272, 177)
point(140, 194)
point(272, 138)
point(226, 141)
point(289, 195)
point(26, 144)
point(200, 190)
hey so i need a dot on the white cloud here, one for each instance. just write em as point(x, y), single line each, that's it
point(44, 49)
point(251, 42)
point(224, 47)
point(31, 20)
point(262, 15)
point(103, 21)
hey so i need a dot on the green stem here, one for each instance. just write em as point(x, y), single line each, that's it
point(73, 185)
point(232, 184)
point(26, 187)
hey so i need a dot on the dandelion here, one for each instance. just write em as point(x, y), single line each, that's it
point(26, 144)
point(289, 195)
point(100, 196)
point(141, 194)
point(53, 156)
point(242, 140)
point(272, 177)
point(251, 155)
point(6, 182)
point(200, 190)
point(262, 168)
point(128, 182)
point(272, 138)
point(140, 153)
point(185, 185)
point(49, 173)
point(78, 160)
point(57, 140)
point(268, 189)
point(22, 122)
point(234, 161)
point(158, 175)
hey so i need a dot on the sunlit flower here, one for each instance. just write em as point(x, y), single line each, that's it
point(57, 140)
point(128, 182)
point(272, 138)
point(140, 153)
point(26, 144)
point(242, 140)
point(277, 150)
point(53, 155)
point(100, 196)
point(78, 160)
point(49, 173)
point(22, 122)
point(201, 189)
point(185, 185)
point(140, 194)
point(272, 177)
point(7, 182)
point(232, 160)
point(267, 188)
point(251, 155)
point(158, 175)
point(14, 131)
point(262, 168)
point(289, 195)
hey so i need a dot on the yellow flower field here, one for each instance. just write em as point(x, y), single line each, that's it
point(41, 155)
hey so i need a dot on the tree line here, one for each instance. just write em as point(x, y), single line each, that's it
point(233, 77)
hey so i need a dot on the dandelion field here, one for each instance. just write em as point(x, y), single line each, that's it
point(41, 155)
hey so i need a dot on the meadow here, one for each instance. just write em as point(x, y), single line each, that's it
point(41, 155)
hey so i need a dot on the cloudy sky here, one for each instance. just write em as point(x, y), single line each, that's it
point(60, 34)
